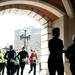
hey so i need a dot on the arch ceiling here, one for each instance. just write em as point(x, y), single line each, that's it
point(67, 6)
point(48, 12)
point(38, 10)
point(57, 3)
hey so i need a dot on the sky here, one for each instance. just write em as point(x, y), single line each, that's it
point(10, 23)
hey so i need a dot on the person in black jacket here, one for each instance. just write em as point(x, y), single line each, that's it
point(55, 60)
point(22, 56)
point(10, 55)
point(70, 54)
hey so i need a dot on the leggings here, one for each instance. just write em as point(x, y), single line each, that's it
point(31, 68)
point(22, 65)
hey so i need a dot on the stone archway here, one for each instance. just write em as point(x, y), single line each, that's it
point(52, 17)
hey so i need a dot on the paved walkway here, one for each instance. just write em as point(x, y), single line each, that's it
point(26, 70)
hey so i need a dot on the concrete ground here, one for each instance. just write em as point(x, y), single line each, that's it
point(26, 70)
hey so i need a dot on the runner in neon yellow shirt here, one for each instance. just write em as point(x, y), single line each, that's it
point(1, 61)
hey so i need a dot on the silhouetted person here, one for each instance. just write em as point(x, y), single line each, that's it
point(10, 55)
point(23, 55)
point(55, 61)
point(70, 54)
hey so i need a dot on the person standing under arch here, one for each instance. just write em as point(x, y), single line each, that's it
point(55, 60)
point(70, 54)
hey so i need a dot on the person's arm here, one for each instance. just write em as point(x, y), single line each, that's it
point(18, 55)
point(5, 56)
point(2, 57)
point(30, 58)
point(14, 54)
point(68, 53)
point(50, 46)
point(27, 55)
point(36, 56)
point(64, 51)
point(61, 47)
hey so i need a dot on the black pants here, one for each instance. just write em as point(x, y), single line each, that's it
point(22, 65)
point(72, 68)
point(17, 69)
point(4, 65)
point(54, 66)
point(1, 66)
point(10, 68)
point(33, 65)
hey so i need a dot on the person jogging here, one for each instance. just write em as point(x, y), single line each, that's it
point(33, 59)
point(1, 61)
point(22, 56)
point(10, 55)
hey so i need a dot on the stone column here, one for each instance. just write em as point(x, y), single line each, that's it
point(45, 36)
